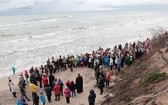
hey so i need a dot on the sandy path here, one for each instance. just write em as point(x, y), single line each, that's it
point(80, 99)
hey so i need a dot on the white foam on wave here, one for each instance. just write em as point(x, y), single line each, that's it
point(32, 22)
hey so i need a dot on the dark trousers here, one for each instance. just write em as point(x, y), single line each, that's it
point(43, 103)
point(57, 97)
point(40, 83)
point(24, 94)
point(37, 103)
point(111, 67)
point(97, 80)
point(61, 94)
point(101, 90)
point(14, 94)
point(49, 99)
point(73, 93)
point(107, 83)
point(91, 103)
point(68, 100)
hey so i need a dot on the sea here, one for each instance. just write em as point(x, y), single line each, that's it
point(29, 40)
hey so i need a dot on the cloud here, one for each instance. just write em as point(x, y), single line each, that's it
point(74, 4)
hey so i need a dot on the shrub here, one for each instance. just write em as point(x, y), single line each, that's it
point(143, 65)
point(153, 77)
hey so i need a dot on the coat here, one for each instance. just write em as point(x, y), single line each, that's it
point(44, 80)
point(108, 76)
point(32, 87)
point(67, 92)
point(91, 97)
point(36, 99)
point(13, 88)
point(72, 87)
point(42, 98)
point(101, 82)
point(22, 101)
point(79, 84)
point(48, 90)
point(56, 89)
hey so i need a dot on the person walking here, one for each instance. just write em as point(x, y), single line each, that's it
point(67, 95)
point(92, 97)
point(42, 98)
point(56, 90)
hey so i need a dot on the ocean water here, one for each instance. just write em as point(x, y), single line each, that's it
point(27, 40)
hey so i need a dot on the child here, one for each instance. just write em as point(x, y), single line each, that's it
point(67, 95)
point(42, 98)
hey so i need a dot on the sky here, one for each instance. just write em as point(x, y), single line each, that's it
point(74, 5)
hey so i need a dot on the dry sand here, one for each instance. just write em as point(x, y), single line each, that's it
point(6, 97)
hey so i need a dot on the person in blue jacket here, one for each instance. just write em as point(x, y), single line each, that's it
point(22, 101)
point(42, 98)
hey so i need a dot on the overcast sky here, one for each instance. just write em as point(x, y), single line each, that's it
point(68, 5)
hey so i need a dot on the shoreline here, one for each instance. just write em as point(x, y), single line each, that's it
point(56, 55)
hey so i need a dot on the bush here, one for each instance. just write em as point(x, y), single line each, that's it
point(143, 65)
point(153, 77)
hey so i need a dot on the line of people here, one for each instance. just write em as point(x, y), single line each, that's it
point(109, 58)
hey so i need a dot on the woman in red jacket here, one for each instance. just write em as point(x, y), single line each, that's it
point(57, 92)
point(108, 78)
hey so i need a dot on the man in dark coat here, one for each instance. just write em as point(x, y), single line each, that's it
point(92, 97)
point(101, 83)
point(79, 84)
point(51, 79)
point(48, 92)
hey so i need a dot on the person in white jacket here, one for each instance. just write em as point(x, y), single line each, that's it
point(13, 89)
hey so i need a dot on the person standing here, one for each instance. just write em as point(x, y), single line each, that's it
point(61, 86)
point(79, 84)
point(72, 88)
point(9, 83)
point(67, 94)
point(92, 97)
point(13, 70)
point(32, 88)
point(42, 98)
point(108, 78)
point(56, 90)
point(101, 84)
point(51, 79)
point(44, 80)
point(13, 89)
point(48, 92)
point(22, 101)
point(26, 76)
point(35, 98)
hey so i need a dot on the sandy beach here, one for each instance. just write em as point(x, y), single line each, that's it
point(6, 97)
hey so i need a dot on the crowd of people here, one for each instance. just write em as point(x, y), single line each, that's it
point(111, 59)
